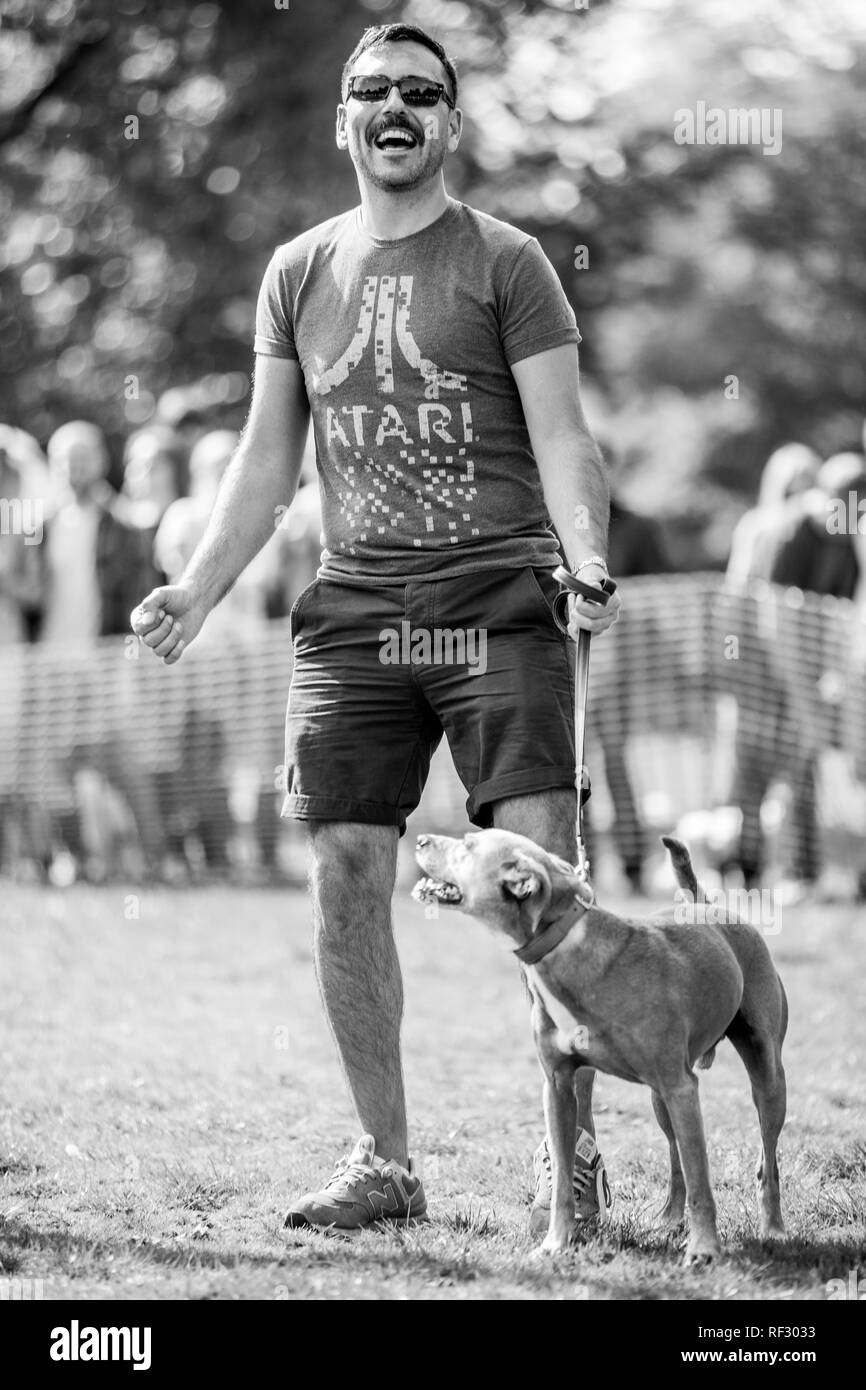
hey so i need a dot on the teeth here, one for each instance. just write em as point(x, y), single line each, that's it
point(443, 892)
point(401, 135)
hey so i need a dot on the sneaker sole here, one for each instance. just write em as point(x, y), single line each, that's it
point(303, 1223)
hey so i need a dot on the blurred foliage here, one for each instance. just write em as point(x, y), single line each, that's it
point(141, 257)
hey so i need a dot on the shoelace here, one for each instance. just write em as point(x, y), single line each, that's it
point(345, 1174)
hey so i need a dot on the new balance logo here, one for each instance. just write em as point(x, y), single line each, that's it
point(387, 300)
point(384, 1203)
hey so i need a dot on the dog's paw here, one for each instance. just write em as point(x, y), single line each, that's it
point(557, 1244)
point(700, 1256)
point(773, 1230)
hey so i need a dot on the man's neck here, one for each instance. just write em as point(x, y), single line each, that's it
point(392, 216)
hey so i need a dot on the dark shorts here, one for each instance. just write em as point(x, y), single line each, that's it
point(380, 674)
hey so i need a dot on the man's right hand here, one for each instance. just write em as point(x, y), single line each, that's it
point(167, 621)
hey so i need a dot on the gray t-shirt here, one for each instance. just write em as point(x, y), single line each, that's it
point(425, 465)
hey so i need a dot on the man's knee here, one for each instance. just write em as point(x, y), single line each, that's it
point(352, 860)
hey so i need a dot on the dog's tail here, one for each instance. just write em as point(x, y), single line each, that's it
point(682, 862)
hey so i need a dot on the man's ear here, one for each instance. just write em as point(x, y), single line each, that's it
point(342, 133)
point(522, 878)
point(455, 127)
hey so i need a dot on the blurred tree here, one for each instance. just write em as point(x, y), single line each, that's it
point(152, 154)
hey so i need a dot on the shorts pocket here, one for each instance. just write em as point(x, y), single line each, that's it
point(538, 581)
point(298, 604)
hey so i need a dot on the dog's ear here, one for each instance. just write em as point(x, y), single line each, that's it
point(520, 877)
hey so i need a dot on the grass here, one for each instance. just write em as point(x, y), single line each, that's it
point(167, 1082)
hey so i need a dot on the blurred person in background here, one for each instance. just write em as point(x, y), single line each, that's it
point(202, 790)
point(778, 734)
point(32, 466)
point(788, 474)
point(635, 547)
point(185, 522)
point(86, 575)
point(22, 519)
point(25, 840)
point(819, 550)
point(153, 464)
point(763, 726)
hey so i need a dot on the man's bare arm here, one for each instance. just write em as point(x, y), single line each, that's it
point(570, 466)
point(261, 479)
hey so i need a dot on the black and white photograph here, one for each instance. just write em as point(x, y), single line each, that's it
point(433, 665)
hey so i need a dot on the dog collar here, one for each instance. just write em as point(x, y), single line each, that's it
point(544, 941)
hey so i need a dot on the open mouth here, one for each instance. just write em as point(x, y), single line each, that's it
point(395, 138)
point(437, 890)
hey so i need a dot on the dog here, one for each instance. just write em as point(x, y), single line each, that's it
point(645, 1000)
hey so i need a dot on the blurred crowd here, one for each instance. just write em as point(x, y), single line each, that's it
point(78, 554)
point(807, 531)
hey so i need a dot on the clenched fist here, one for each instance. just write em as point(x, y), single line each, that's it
point(167, 621)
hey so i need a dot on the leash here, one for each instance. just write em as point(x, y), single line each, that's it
point(549, 936)
point(600, 594)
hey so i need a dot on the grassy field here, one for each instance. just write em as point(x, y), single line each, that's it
point(167, 1082)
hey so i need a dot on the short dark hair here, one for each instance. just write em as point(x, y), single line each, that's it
point(380, 34)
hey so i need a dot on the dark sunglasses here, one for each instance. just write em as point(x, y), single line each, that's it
point(415, 91)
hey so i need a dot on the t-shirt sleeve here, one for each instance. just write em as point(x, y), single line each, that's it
point(275, 334)
point(534, 312)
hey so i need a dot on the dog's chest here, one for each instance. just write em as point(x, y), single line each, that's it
point(571, 1034)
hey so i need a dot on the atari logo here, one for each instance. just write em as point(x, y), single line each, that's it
point(385, 305)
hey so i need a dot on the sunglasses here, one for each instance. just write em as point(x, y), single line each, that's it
point(415, 91)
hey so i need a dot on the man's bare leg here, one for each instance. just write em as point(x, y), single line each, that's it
point(352, 876)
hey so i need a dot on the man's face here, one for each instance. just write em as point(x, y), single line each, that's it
point(394, 163)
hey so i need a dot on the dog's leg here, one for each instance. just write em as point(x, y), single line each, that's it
point(584, 1080)
point(560, 1112)
point(684, 1109)
point(674, 1209)
point(762, 1057)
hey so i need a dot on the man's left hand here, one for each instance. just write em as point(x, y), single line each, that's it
point(592, 617)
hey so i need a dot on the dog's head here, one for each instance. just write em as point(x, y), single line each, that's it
point(506, 881)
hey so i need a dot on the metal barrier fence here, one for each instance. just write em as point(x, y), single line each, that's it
point(700, 697)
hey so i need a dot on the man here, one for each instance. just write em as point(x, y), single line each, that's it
point(87, 586)
point(438, 354)
point(19, 543)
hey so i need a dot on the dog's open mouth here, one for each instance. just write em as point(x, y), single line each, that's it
point(437, 890)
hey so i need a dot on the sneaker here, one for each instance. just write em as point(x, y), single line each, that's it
point(362, 1189)
point(592, 1199)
